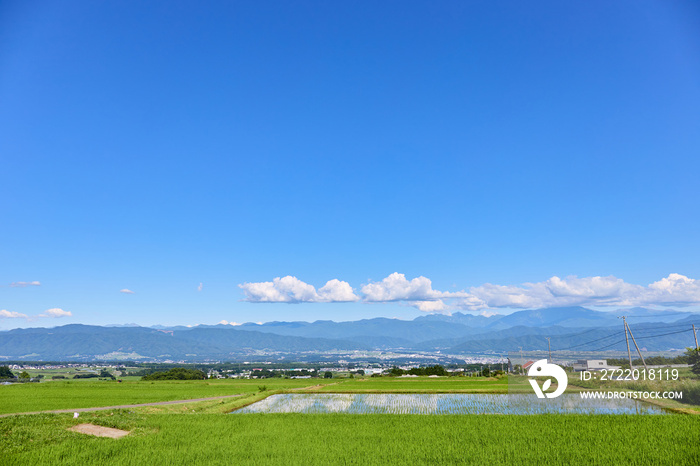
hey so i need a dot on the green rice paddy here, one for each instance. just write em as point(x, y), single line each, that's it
point(55, 395)
point(201, 433)
point(289, 439)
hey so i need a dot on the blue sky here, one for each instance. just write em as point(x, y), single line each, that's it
point(155, 147)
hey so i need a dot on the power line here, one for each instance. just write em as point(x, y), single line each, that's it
point(595, 329)
point(605, 347)
point(661, 315)
point(664, 334)
point(642, 329)
point(592, 341)
point(620, 333)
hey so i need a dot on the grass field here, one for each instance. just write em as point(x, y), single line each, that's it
point(68, 395)
point(354, 439)
point(201, 432)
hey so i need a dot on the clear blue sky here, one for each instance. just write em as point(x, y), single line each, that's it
point(153, 147)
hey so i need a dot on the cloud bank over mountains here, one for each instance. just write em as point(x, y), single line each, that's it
point(674, 290)
point(50, 313)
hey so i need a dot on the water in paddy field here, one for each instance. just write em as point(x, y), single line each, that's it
point(444, 404)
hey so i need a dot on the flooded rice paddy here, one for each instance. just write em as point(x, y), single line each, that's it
point(444, 404)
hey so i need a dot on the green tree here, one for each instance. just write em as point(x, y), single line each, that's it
point(693, 360)
point(6, 373)
point(328, 375)
point(24, 375)
point(106, 374)
point(177, 373)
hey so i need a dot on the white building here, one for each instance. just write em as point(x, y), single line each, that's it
point(593, 365)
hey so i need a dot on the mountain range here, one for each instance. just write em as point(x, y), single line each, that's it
point(571, 328)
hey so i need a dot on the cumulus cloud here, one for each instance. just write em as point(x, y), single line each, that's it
point(292, 290)
point(335, 291)
point(417, 292)
point(200, 287)
point(127, 291)
point(396, 287)
point(674, 290)
point(24, 284)
point(56, 312)
point(429, 306)
point(5, 314)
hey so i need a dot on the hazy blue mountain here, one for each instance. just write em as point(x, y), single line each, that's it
point(232, 339)
point(473, 321)
point(574, 316)
point(640, 314)
point(411, 330)
point(445, 344)
point(574, 328)
point(455, 327)
point(580, 317)
point(650, 337)
point(87, 341)
point(79, 342)
point(384, 343)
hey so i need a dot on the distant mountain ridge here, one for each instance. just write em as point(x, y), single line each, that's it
point(79, 342)
point(576, 327)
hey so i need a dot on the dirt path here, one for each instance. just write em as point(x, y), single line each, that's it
point(99, 431)
point(105, 408)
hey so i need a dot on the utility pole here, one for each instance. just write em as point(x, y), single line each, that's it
point(696, 338)
point(549, 346)
point(635, 345)
point(629, 354)
point(522, 361)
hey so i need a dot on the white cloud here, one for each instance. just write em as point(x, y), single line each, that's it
point(127, 291)
point(200, 287)
point(5, 314)
point(292, 290)
point(430, 306)
point(335, 291)
point(417, 292)
point(56, 312)
point(24, 284)
point(674, 290)
point(396, 287)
